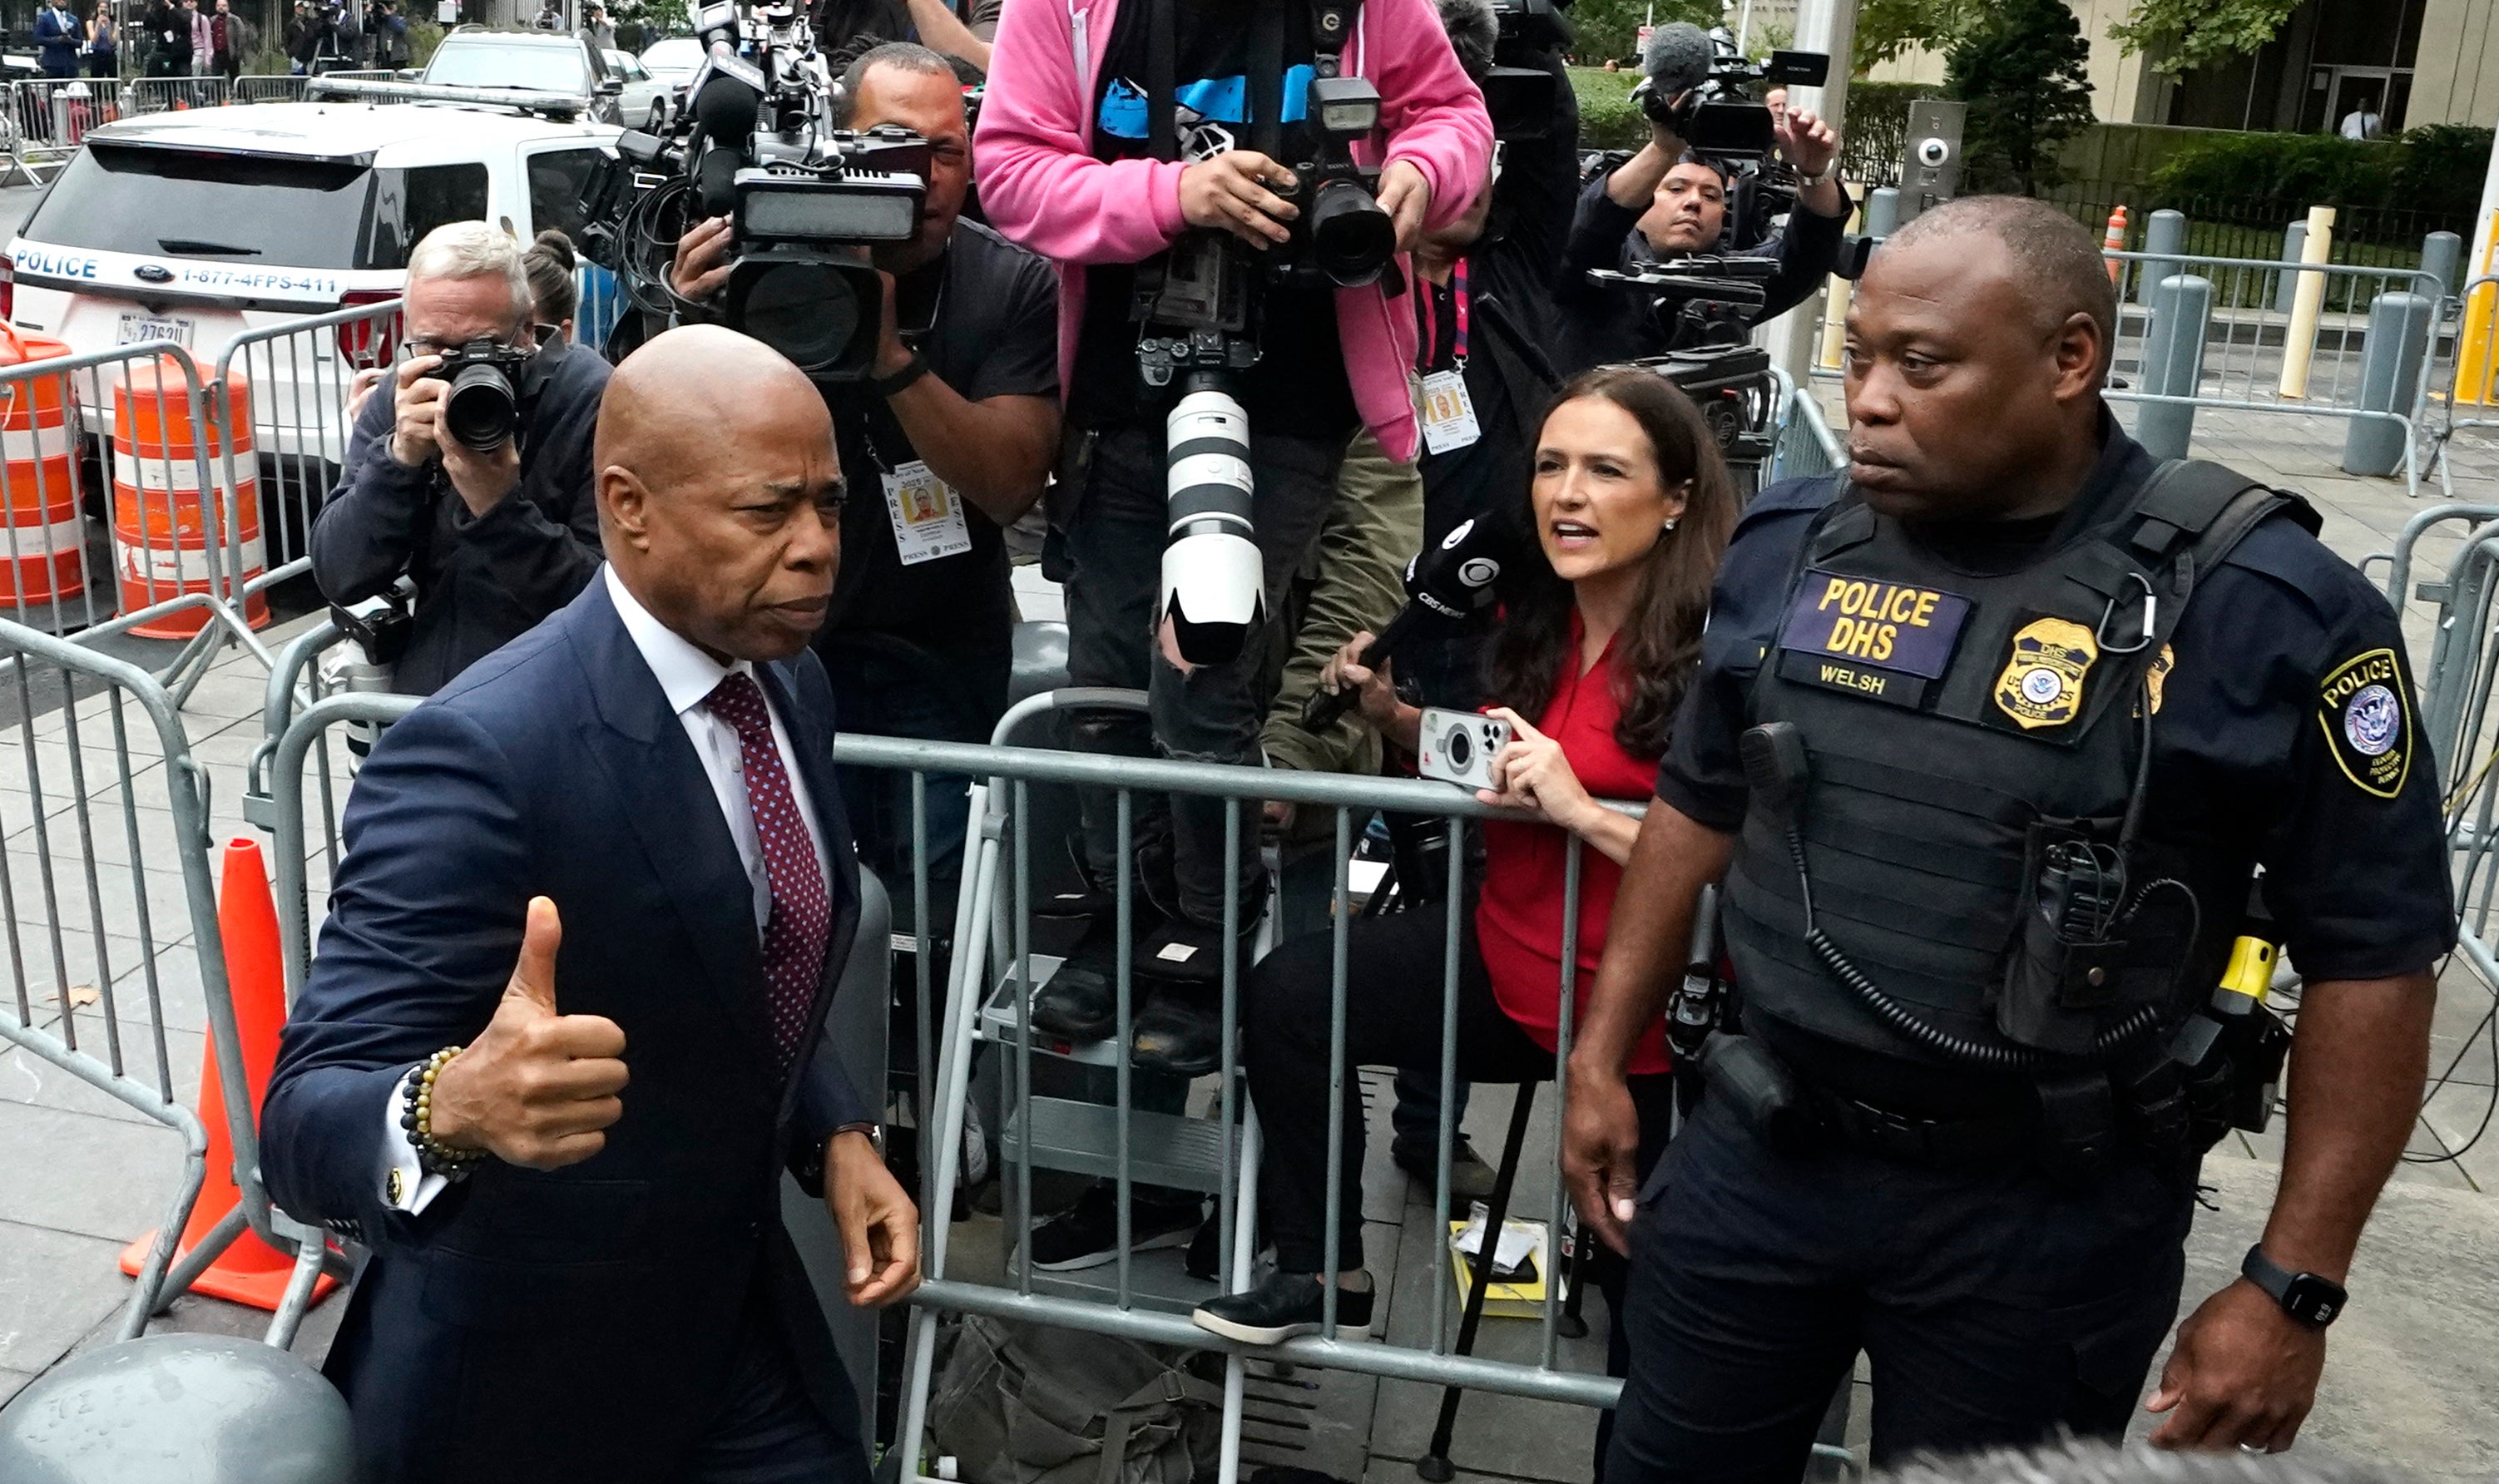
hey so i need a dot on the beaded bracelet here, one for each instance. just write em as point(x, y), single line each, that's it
point(433, 1155)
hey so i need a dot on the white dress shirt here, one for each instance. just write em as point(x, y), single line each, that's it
point(687, 677)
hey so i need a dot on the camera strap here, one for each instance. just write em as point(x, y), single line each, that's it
point(1267, 80)
point(1162, 81)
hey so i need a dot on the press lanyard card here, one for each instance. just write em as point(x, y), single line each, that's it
point(927, 515)
point(1448, 413)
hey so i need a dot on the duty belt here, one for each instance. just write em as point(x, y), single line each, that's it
point(1941, 1143)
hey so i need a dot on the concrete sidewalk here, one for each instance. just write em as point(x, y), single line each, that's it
point(2408, 1382)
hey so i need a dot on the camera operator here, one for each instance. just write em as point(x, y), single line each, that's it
point(959, 424)
point(1666, 202)
point(494, 539)
point(1076, 164)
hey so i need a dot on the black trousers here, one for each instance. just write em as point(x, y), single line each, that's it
point(767, 1430)
point(1995, 1306)
point(1392, 1018)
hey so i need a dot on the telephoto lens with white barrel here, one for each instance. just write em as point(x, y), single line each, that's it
point(1214, 585)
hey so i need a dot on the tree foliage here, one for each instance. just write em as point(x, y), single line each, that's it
point(2023, 74)
point(1888, 29)
point(2182, 35)
point(1610, 28)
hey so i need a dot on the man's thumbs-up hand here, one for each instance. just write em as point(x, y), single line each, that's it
point(539, 1087)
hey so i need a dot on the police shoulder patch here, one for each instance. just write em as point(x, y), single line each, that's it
point(2365, 708)
point(2042, 683)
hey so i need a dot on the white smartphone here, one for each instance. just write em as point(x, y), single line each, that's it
point(1459, 747)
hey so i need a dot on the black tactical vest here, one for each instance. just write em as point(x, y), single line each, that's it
point(1961, 731)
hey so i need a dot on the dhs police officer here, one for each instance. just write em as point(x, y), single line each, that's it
point(1990, 738)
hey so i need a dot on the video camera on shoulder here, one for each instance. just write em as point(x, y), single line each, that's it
point(806, 201)
point(1722, 117)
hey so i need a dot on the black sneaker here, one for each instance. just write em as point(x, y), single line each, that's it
point(1282, 1305)
point(1180, 1033)
point(1187, 952)
point(1470, 1177)
point(1087, 1235)
point(1077, 1003)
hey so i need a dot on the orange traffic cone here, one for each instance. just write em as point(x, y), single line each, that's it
point(2114, 241)
point(249, 1271)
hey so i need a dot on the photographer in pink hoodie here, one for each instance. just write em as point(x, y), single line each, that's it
point(1072, 166)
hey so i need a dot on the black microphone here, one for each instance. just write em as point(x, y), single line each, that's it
point(1442, 585)
point(725, 110)
point(1678, 57)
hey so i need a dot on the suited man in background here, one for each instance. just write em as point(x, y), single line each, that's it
point(608, 863)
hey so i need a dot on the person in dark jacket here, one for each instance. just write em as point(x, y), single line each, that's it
point(1667, 203)
point(56, 34)
point(494, 541)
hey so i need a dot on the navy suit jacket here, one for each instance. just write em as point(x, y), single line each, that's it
point(577, 1323)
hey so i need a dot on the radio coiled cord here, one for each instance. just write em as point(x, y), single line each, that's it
point(1934, 1038)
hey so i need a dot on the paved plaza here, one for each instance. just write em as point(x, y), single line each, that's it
point(2412, 1368)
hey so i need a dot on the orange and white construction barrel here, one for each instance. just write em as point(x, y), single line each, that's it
point(43, 531)
point(167, 540)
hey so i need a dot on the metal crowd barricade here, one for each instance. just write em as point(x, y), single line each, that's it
point(994, 971)
point(156, 95)
point(269, 87)
point(2472, 376)
point(298, 376)
point(178, 535)
point(2250, 334)
point(49, 118)
point(108, 906)
point(1805, 443)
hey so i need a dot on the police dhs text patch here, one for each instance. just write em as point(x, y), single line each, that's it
point(1880, 640)
point(2365, 707)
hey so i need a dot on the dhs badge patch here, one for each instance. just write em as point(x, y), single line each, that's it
point(2042, 683)
point(2367, 710)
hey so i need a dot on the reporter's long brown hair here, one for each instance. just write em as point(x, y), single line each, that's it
point(1659, 646)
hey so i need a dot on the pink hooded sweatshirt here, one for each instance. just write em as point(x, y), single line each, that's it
point(1042, 186)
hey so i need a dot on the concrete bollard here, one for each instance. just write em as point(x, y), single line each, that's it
point(2164, 238)
point(2390, 372)
point(2286, 286)
point(2173, 363)
point(2299, 342)
point(2442, 258)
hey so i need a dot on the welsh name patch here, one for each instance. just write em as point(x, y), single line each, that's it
point(1882, 640)
point(2365, 708)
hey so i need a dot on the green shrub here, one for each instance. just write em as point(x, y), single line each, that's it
point(1610, 28)
point(1608, 120)
point(423, 36)
point(2436, 169)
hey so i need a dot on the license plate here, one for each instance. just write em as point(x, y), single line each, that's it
point(146, 328)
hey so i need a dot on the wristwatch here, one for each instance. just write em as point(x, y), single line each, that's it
point(912, 370)
point(2313, 1301)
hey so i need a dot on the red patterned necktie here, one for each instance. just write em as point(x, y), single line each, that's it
point(794, 936)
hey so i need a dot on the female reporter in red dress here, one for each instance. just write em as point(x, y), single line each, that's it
point(1631, 507)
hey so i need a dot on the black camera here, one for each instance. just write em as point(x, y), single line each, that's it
point(1342, 237)
point(483, 408)
point(1721, 117)
point(806, 201)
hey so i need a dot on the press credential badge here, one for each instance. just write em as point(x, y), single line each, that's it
point(927, 515)
point(1448, 413)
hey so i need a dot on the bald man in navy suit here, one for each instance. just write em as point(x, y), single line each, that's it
point(608, 865)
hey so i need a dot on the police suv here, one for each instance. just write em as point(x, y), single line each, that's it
point(196, 226)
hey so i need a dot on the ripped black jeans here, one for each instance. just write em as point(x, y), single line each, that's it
point(1114, 529)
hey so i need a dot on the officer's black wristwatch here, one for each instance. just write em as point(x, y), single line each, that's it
point(2311, 1299)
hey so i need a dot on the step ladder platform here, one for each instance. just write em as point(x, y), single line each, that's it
point(1163, 1148)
